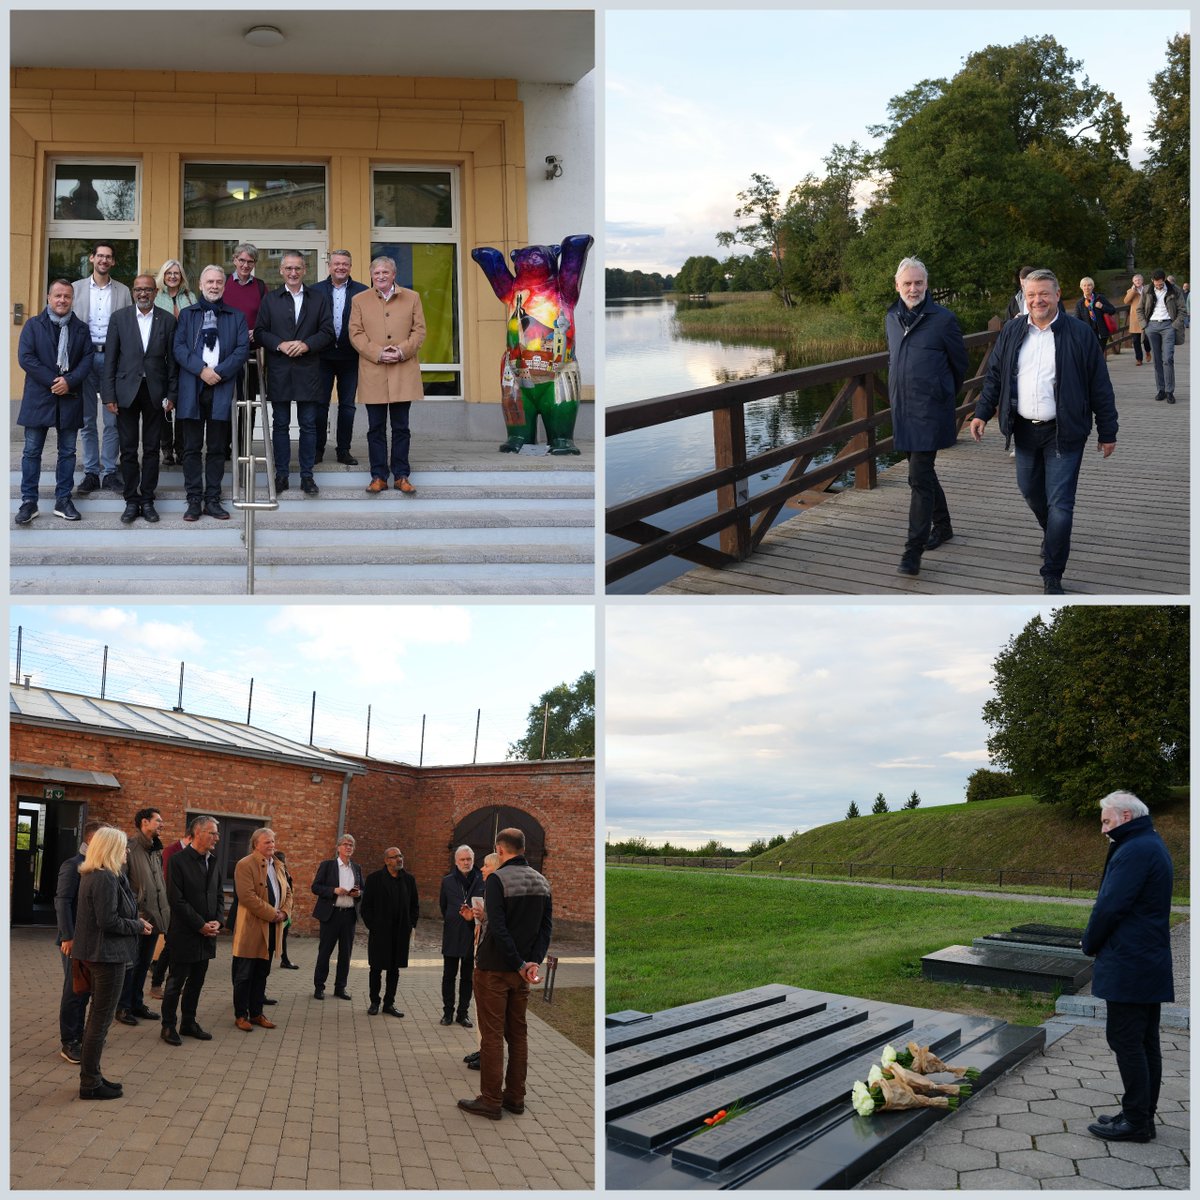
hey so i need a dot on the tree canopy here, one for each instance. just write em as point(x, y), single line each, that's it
point(567, 715)
point(1094, 700)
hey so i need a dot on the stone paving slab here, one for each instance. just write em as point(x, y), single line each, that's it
point(1030, 1132)
point(330, 1099)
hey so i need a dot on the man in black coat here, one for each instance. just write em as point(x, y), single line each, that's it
point(197, 901)
point(1129, 934)
point(458, 935)
point(73, 1005)
point(294, 325)
point(338, 887)
point(1047, 379)
point(390, 911)
point(927, 365)
point(140, 377)
point(339, 361)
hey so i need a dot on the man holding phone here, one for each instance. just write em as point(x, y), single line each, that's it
point(338, 888)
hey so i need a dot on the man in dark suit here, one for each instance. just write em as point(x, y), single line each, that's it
point(340, 361)
point(73, 1005)
point(197, 902)
point(211, 348)
point(390, 910)
point(338, 886)
point(140, 377)
point(294, 326)
point(55, 352)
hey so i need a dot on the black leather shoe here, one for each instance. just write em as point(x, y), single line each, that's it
point(373, 1011)
point(149, 512)
point(465, 1022)
point(289, 966)
point(147, 1014)
point(105, 1091)
point(170, 1036)
point(215, 509)
point(1052, 587)
point(126, 1018)
point(347, 460)
point(1108, 1120)
point(193, 511)
point(112, 483)
point(1119, 1130)
point(192, 1030)
point(269, 1001)
point(937, 537)
point(1160, 396)
point(308, 485)
point(133, 510)
point(392, 1010)
point(281, 484)
point(470, 1058)
point(319, 994)
point(446, 1020)
point(89, 484)
point(473, 1065)
point(480, 1109)
point(109, 1083)
point(340, 995)
point(910, 564)
point(1170, 397)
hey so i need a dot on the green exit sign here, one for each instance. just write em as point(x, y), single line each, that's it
point(54, 793)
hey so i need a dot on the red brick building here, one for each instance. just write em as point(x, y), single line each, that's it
point(73, 757)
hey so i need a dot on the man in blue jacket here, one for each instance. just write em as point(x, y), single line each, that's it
point(926, 366)
point(340, 361)
point(56, 353)
point(1047, 379)
point(1129, 934)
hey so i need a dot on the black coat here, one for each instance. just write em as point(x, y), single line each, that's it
point(37, 355)
point(126, 364)
point(390, 911)
point(926, 367)
point(458, 936)
point(196, 897)
point(1129, 931)
point(298, 378)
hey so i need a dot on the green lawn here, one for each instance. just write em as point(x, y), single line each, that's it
point(673, 938)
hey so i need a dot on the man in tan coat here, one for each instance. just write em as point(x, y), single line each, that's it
point(264, 903)
point(387, 327)
point(1133, 298)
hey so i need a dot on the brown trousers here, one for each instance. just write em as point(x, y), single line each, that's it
point(501, 998)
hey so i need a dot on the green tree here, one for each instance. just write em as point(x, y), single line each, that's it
point(914, 801)
point(986, 784)
point(700, 274)
point(880, 805)
point(1168, 167)
point(852, 811)
point(762, 212)
point(777, 840)
point(756, 847)
point(565, 717)
point(1093, 700)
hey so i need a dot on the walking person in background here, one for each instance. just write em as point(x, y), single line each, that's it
point(1129, 935)
point(1094, 308)
point(1137, 327)
point(1162, 315)
point(107, 929)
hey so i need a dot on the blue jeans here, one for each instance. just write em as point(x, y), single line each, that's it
point(377, 420)
point(1047, 476)
point(107, 981)
point(281, 417)
point(346, 374)
point(31, 462)
point(1162, 346)
point(106, 453)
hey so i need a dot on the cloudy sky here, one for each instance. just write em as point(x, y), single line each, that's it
point(744, 721)
point(442, 662)
point(695, 104)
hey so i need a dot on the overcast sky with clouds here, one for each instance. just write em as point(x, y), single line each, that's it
point(744, 721)
point(441, 661)
point(697, 101)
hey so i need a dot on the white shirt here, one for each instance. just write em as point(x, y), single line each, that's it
point(274, 879)
point(1160, 306)
point(339, 307)
point(99, 310)
point(346, 882)
point(145, 325)
point(297, 300)
point(1035, 374)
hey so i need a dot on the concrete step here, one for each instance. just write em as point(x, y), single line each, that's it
point(1089, 1009)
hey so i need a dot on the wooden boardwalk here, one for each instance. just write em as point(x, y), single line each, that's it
point(1130, 536)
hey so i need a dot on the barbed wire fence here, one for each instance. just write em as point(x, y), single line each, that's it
point(60, 662)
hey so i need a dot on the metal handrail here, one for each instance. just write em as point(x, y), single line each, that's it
point(246, 463)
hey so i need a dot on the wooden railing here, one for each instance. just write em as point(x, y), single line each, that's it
point(741, 521)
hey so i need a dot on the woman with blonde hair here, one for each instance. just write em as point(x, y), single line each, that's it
point(107, 928)
point(1094, 307)
point(174, 295)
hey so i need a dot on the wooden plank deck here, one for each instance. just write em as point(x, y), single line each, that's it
point(1130, 536)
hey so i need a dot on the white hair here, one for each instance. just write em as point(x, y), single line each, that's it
point(912, 264)
point(1124, 802)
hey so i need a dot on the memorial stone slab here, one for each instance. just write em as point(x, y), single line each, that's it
point(674, 1020)
point(1067, 931)
point(992, 967)
point(1004, 941)
point(1035, 939)
point(629, 1017)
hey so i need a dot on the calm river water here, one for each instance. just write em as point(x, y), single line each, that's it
point(647, 356)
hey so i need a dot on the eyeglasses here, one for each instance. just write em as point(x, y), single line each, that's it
point(246, 261)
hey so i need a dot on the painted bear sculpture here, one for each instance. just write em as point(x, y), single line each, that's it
point(539, 374)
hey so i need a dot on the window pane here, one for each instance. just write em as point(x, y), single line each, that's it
point(198, 253)
point(431, 270)
point(95, 192)
point(244, 196)
point(68, 259)
point(413, 199)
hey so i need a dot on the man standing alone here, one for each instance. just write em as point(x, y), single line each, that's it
point(1129, 935)
point(516, 901)
point(1162, 314)
point(926, 366)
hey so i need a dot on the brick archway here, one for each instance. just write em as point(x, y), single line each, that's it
point(478, 830)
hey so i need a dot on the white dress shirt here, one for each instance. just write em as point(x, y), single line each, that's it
point(1035, 374)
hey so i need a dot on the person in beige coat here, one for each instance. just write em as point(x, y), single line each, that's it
point(1133, 298)
point(264, 903)
point(387, 327)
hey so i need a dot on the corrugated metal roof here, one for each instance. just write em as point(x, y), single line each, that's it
point(42, 706)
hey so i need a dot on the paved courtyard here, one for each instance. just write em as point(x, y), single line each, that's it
point(331, 1099)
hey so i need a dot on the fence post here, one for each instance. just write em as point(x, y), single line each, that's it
point(1001, 881)
point(862, 405)
point(729, 450)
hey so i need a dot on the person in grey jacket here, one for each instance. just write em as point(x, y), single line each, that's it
point(150, 890)
point(73, 1005)
point(106, 931)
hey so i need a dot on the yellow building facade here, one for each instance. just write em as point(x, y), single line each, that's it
point(174, 164)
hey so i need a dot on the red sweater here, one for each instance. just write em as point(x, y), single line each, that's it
point(245, 297)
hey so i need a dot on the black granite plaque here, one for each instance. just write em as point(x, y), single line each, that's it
point(673, 1020)
point(629, 1017)
point(989, 966)
point(1066, 931)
